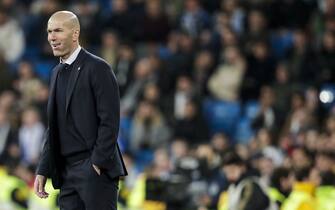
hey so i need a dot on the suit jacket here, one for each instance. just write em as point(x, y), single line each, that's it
point(92, 98)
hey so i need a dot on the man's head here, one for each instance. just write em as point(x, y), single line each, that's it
point(63, 33)
point(282, 179)
point(233, 166)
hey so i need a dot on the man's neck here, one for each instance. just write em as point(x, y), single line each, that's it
point(72, 56)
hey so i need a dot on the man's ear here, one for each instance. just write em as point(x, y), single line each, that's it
point(76, 35)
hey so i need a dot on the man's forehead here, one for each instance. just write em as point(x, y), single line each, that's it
point(55, 24)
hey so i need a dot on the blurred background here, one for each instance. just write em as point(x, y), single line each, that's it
point(199, 80)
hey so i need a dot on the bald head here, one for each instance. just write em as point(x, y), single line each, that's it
point(68, 18)
point(63, 33)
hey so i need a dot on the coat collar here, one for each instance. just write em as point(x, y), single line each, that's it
point(76, 69)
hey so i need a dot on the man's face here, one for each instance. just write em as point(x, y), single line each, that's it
point(61, 38)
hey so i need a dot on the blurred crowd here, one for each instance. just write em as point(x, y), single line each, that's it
point(225, 104)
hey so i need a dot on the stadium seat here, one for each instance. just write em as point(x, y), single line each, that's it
point(143, 158)
point(43, 69)
point(280, 43)
point(243, 132)
point(251, 109)
point(221, 116)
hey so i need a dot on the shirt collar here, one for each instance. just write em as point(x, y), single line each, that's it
point(72, 57)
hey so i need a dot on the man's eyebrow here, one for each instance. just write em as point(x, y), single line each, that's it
point(55, 29)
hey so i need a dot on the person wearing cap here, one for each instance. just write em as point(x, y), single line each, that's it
point(245, 191)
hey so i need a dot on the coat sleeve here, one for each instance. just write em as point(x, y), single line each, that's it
point(43, 167)
point(106, 93)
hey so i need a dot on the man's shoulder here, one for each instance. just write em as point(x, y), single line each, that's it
point(94, 59)
point(97, 65)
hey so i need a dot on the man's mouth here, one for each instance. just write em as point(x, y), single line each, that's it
point(56, 45)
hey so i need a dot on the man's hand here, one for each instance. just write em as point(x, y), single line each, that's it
point(97, 169)
point(39, 185)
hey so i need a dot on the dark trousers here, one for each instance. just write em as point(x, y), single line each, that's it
point(84, 189)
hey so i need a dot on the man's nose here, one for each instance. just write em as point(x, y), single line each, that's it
point(52, 36)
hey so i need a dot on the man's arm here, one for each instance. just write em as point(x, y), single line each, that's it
point(43, 165)
point(43, 169)
point(106, 93)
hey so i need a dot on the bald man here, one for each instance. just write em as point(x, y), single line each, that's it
point(80, 154)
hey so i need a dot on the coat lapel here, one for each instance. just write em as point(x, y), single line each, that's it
point(77, 66)
point(53, 83)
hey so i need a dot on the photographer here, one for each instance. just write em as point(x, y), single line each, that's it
point(245, 191)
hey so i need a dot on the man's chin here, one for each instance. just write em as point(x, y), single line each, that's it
point(57, 54)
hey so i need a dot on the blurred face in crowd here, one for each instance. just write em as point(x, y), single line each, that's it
point(264, 137)
point(282, 74)
point(222, 20)
point(190, 109)
point(126, 52)
point(3, 117)
point(329, 6)
point(205, 154)
point(243, 151)
point(298, 101)
point(260, 50)
point(330, 23)
point(185, 42)
point(204, 151)
point(299, 39)
point(256, 21)
point(143, 68)
point(25, 70)
point(151, 92)
point(204, 60)
point(109, 40)
point(8, 3)
point(286, 182)
point(300, 158)
point(329, 41)
point(184, 84)
point(233, 172)
point(63, 33)
point(228, 37)
point(191, 5)
point(7, 100)
point(232, 55)
point(265, 166)
point(49, 6)
point(3, 17)
point(161, 160)
point(314, 177)
point(229, 5)
point(30, 117)
point(312, 139)
point(324, 162)
point(219, 142)
point(331, 123)
point(119, 5)
point(153, 8)
point(267, 96)
point(179, 148)
point(43, 93)
point(145, 110)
